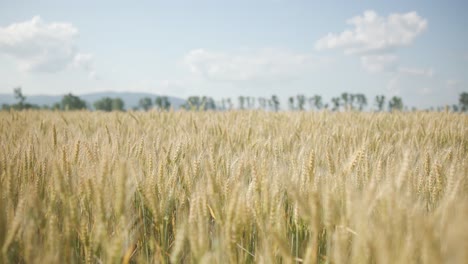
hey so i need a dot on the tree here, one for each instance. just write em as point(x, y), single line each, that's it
point(241, 102)
point(208, 103)
point(361, 101)
point(162, 102)
point(346, 99)
point(117, 104)
point(316, 102)
point(19, 96)
point(145, 103)
point(21, 101)
point(104, 104)
point(166, 103)
point(336, 103)
point(300, 101)
point(275, 103)
point(223, 104)
point(72, 102)
point(158, 102)
point(395, 103)
point(380, 102)
point(352, 99)
point(193, 103)
point(229, 103)
point(262, 102)
point(463, 100)
point(291, 103)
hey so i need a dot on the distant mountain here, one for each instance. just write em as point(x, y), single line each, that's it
point(130, 98)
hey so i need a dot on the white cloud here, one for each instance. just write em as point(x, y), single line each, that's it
point(379, 63)
point(417, 71)
point(375, 39)
point(425, 91)
point(393, 86)
point(375, 34)
point(452, 82)
point(38, 46)
point(264, 65)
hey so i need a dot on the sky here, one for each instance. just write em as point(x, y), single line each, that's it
point(417, 50)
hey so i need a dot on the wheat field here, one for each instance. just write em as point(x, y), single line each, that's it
point(233, 187)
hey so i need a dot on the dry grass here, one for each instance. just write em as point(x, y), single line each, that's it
point(200, 187)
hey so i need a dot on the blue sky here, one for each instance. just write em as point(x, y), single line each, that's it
point(414, 49)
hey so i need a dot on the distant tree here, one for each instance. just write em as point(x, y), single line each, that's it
point(162, 102)
point(72, 102)
point(223, 104)
point(21, 104)
point(166, 103)
point(291, 103)
point(208, 103)
point(395, 103)
point(380, 102)
point(352, 100)
point(336, 103)
point(57, 106)
point(104, 104)
point(346, 100)
point(109, 104)
point(193, 103)
point(241, 102)
point(229, 103)
point(300, 101)
point(361, 101)
point(145, 103)
point(463, 101)
point(118, 104)
point(19, 96)
point(200, 103)
point(248, 102)
point(275, 103)
point(252, 103)
point(262, 102)
point(316, 102)
point(158, 102)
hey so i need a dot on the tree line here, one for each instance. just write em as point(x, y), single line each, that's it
point(344, 102)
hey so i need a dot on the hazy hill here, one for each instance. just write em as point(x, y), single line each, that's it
point(130, 98)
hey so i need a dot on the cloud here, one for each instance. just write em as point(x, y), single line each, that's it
point(417, 71)
point(375, 34)
point(393, 86)
point(262, 66)
point(452, 82)
point(38, 46)
point(379, 63)
point(375, 39)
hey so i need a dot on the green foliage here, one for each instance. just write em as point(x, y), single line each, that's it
point(316, 102)
point(291, 103)
point(463, 101)
point(21, 105)
point(275, 103)
point(109, 104)
point(300, 101)
point(241, 102)
point(396, 103)
point(72, 102)
point(162, 102)
point(380, 102)
point(145, 103)
point(200, 103)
